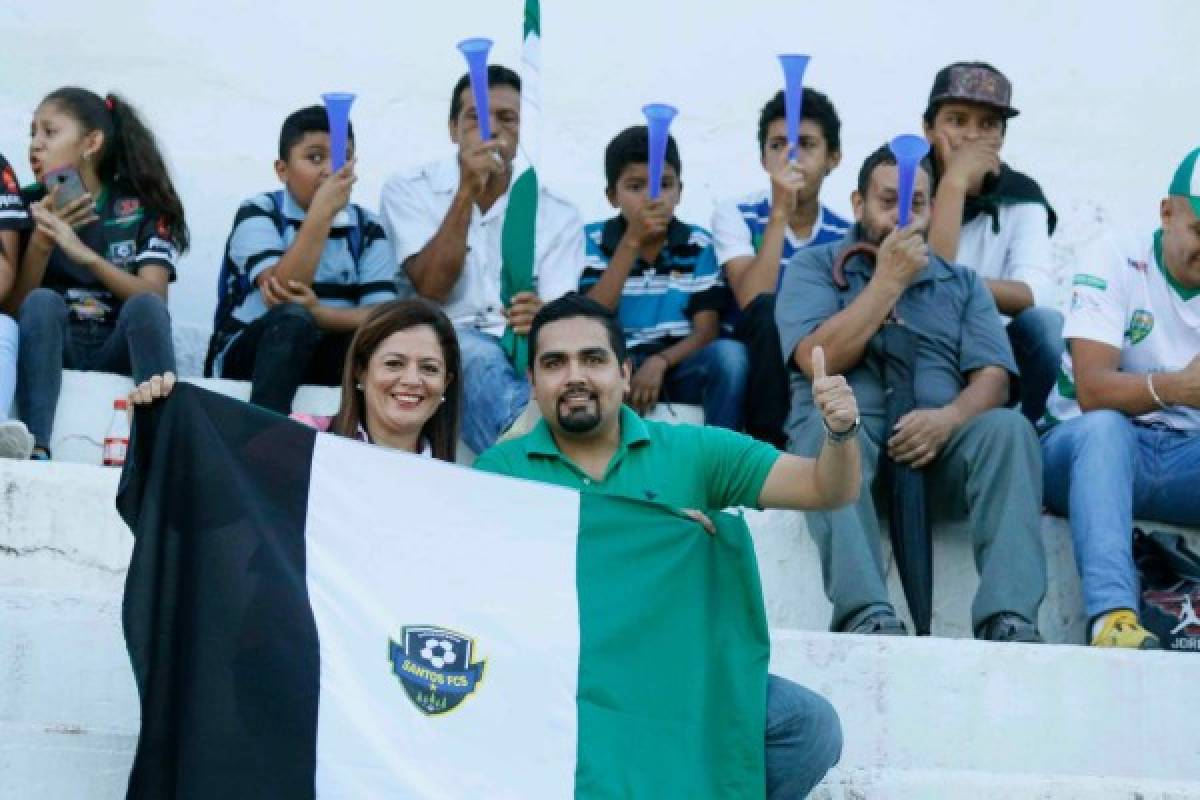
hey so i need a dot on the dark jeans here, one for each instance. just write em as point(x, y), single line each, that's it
point(281, 350)
point(138, 344)
point(713, 377)
point(768, 397)
point(1037, 343)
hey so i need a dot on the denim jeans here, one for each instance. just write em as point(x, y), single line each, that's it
point(281, 350)
point(494, 395)
point(1101, 471)
point(1036, 338)
point(137, 344)
point(768, 396)
point(803, 739)
point(713, 377)
point(8, 364)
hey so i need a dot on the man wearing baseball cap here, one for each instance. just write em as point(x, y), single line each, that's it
point(1122, 426)
point(994, 219)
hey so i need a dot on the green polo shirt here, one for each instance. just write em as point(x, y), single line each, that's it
point(684, 466)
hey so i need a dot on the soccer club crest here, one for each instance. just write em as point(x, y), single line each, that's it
point(435, 667)
point(1140, 325)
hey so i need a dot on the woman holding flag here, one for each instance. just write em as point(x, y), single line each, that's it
point(401, 382)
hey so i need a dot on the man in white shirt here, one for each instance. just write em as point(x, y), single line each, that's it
point(447, 222)
point(994, 219)
point(1123, 422)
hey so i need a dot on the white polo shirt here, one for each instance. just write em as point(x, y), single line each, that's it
point(1124, 297)
point(1018, 251)
point(413, 206)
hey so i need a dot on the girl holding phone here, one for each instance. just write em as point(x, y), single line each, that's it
point(108, 228)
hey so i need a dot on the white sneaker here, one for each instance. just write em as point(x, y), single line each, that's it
point(15, 440)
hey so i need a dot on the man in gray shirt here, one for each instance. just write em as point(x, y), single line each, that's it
point(978, 456)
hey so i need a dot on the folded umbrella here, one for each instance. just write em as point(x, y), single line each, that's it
point(908, 516)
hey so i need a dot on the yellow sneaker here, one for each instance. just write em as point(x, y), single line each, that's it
point(1120, 628)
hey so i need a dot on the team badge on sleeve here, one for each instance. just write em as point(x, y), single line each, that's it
point(434, 665)
point(1140, 325)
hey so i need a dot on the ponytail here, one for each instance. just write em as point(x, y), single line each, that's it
point(130, 159)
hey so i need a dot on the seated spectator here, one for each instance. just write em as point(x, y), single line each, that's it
point(993, 219)
point(303, 268)
point(977, 455)
point(1123, 422)
point(661, 277)
point(459, 246)
point(92, 288)
point(758, 234)
point(400, 387)
point(587, 440)
point(15, 439)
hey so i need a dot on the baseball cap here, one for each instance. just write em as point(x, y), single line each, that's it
point(973, 82)
point(1186, 182)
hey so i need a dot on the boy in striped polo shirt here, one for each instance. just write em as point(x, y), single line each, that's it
point(1122, 425)
point(758, 234)
point(661, 277)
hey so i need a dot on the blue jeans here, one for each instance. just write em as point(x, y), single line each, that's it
point(137, 344)
point(803, 740)
point(494, 395)
point(713, 377)
point(1036, 338)
point(1101, 470)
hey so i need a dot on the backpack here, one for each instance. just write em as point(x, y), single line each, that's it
point(1170, 575)
point(233, 285)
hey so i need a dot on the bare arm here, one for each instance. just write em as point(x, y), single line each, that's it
point(607, 290)
point(966, 168)
point(986, 388)
point(9, 242)
point(1100, 383)
point(750, 276)
point(436, 267)
point(844, 336)
point(340, 320)
point(705, 327)
point(945, 220)
point(834, 477)
point(1012, 297)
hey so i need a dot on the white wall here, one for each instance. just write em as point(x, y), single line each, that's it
point(1108, 90)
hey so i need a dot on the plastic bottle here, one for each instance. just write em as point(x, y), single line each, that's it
point(116, 441)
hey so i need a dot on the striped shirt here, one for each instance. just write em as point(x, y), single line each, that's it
point(658, 299)
point(256, 245)
point(739, 225)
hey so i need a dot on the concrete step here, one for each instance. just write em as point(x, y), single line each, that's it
point(936, 717)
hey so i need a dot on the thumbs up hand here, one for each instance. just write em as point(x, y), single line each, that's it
point(832, 396)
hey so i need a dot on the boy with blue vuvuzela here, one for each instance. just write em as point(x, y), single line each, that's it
point(303, 267)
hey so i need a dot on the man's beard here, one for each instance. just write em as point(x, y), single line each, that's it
point(579, 420)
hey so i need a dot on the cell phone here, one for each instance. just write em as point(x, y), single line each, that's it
point(70, 185)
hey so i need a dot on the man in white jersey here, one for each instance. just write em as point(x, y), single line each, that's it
point(1122, 426)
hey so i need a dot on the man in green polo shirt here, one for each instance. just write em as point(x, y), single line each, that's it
point(590, 441)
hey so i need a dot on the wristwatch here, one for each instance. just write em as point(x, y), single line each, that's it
point(837, 437)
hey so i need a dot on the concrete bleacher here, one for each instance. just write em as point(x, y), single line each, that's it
point(923, 718)
point(937, 717)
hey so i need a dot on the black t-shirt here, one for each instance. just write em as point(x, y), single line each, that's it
point(14, 215)
point(126, 235)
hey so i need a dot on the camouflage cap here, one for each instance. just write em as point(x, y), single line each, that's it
point(973, 82)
